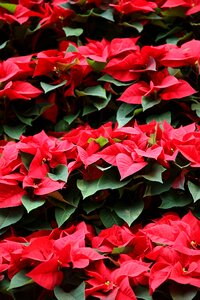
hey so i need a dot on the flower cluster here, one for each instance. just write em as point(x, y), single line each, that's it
point(39, 165)
point(114, 262)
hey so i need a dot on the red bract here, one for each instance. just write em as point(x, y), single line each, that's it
point(186, 54)
point(127, 6)
point(110, 238)
point(105, 284)
point(8, 70)
point(47, 274)
point(20, 90)
point(193, 6)
point(42, 186)
point(177, 267)
point(130, 67)
point(10, 197)
point(189, 147)
point(162, 86)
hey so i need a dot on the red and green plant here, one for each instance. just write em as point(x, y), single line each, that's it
point(99, 150)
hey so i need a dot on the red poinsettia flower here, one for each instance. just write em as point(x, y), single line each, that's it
point(128, 6)
point(20, 90)
point(162, 86)
point(108, 284)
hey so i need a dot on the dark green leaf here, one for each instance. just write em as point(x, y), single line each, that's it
point(136, 25)
point(160, 117)
point(26, 159)
point(142, 293)
point(20, 279)
point(49, 87)
point(90, 206)
point(76, 294)
point(70, 118)
point(88, 109)
point(110, 79)
point(94, 91)
point(31, 204)
point(168, 33)
point(156, 188)
point(174, 198)
point(97, 66)
point(129, 213)
point(101, 103)
point(62, 215)
point(11, 215)
point(109, 180)
point(147, 102)
point(14, 131)
point(107, 14)
point(181, 292)
point(124, 114)
point(196, 107)
point(154, 173)
point(194, 190)
point(60, 173)
point(109, 218)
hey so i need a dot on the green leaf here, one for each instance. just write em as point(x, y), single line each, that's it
point(142, 293)
point(88, 110)
point(107, 14)
point(19, 279)
point(31, 204)
point(156, 188)
point(94, 91)
point(102, 141)
point(109, 218)
point(129, 212)
point(71, 48)
point(124, 114)
point(109, 180)
point(196, 107)
point(49, 87)
point(11, 215)
point(122, 250)
point(62, 215)
point(26, 159)
point(154, 173)
point(160, 117)
point(76, 294)
point(60, 173)
point(101, 103)
point(136, 25)
point(9, 7)
point(174, 198)
point(194, 190)
point(168, 33)
point(181, 292)
point(90, 206)
point(71, 118)
point(14, 131)
point(3, 45)
point(110, 79)
point(147, 102)
point(72, 31)
point(97, 66)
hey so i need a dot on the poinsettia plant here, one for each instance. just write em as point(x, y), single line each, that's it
point(99, 150)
